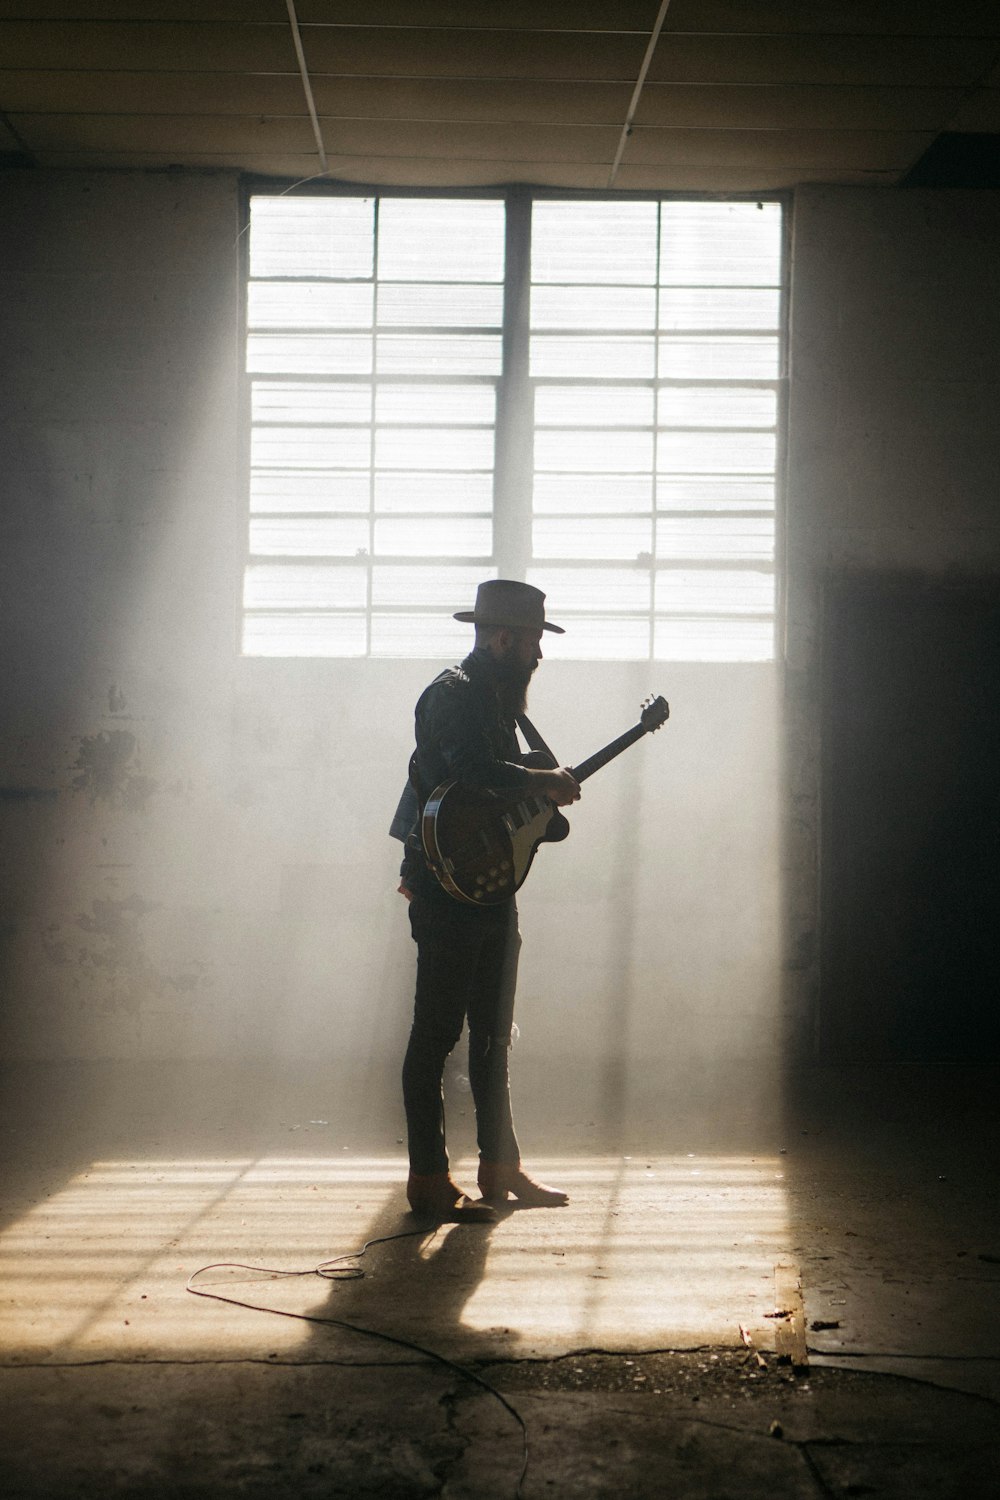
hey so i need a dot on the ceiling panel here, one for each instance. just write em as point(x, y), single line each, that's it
point(808, 149)
point(362, 51)
point(833, 60)
point(797, 106)
point(735, 179)
point(747, 93)
point(175, 135)
point(472, 53)
point(102, 92)
point(109, 45)
point(172, 136)
point(522, 15)
point(414, 52)
point(346, 98)
point(857, 17)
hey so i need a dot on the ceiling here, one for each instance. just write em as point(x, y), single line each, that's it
point(740, 95)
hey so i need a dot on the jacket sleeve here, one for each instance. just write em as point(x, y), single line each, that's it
point(454, 734)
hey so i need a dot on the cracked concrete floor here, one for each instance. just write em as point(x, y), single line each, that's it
point(634, 1332)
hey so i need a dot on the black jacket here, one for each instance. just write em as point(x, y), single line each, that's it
point(462, 734)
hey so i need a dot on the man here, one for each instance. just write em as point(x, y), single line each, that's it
point(467, 954)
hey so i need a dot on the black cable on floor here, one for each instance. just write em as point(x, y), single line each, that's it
point(335, 1270)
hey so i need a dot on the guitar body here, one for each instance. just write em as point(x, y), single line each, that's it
point(480, 844)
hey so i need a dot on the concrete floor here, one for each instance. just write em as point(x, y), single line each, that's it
point(633, 1332)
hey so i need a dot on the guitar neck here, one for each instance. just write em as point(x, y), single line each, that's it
point(595, 762)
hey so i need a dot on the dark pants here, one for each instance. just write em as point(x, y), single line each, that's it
point(466, 969)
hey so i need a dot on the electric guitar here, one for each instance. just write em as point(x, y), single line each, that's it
point(480, 844)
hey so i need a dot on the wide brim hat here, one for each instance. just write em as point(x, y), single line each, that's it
point(502, 601)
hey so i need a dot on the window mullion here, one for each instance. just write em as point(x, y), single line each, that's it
point(514, 462)
point(370, 570)
point(654, 476)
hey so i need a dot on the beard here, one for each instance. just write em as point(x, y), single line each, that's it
point(512, 685)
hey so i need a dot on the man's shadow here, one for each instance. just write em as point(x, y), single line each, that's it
point(416, 1281)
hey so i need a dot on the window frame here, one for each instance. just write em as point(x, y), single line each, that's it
point(514, 428)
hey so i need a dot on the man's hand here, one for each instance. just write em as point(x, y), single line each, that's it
point(561, 787)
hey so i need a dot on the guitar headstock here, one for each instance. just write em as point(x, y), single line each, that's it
point(655, 711)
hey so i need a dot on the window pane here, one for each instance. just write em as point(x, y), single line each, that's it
point(433, 448)
point(309, 354)
point(716, 452)
point(304, 586)
point(619, 537)
point(443, 588)
point(310, 401)
point(719, 358)
point(311, 236)
point(271, 491)
point(464, 536)
point(721, 406)
point(594, 242)
point(317, 537)
point(443, 405)
point(463, 494)
point(589, 494)
point(585, 450)
point(419, 635)
point(592, 358)
point(311, 447)
point(424, 306)
point(441, 239)
point(705, 639)
point(608, 307)
point(600, 638)
point(720, 244)
point(597, 405)
point(735, 538)
point(716, 492)
point(713, 591)
point(446, 354)
point(706, 309)
point(304, 635)
point(590, 590)
point(297, 304)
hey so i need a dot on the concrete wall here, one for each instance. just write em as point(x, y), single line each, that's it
point(120, 538)
point(198, 863)
point(894, 448)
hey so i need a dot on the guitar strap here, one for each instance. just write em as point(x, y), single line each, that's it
point(534, 739)
point(405, 824)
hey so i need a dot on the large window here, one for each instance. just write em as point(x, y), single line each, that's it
point(580, 392)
